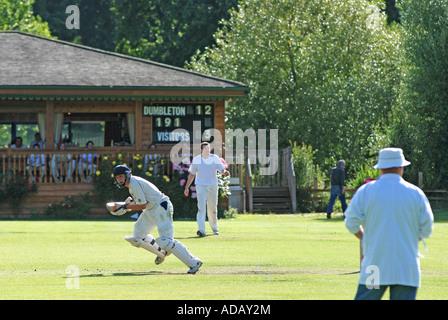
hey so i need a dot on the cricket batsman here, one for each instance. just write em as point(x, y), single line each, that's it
point(157, 212)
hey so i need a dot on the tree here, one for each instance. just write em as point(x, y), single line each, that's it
point(97, 27)
point(18, 15)
point(167, 31)
point(421, 116)
point(324, 72)
point(392, 12)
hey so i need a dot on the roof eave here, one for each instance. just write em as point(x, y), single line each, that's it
point(120, 93)
point(114, 88)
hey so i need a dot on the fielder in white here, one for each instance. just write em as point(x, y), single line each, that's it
point(157, 212)
point(203, 170)
point(389, 216)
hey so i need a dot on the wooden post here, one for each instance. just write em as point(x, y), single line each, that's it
point(219, 123)
point(248, 185)
point(315, 194)
point(49, 125)
point(291, 178)
point(138, 125)
point(420, 180)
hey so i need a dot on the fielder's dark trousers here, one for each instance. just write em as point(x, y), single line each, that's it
point(397, 292)
point(336, 191)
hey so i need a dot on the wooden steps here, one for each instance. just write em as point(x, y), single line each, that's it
point(271, 199)
point(269, 193)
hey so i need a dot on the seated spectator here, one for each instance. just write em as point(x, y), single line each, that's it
point(36, 164)
point(86, 163)
point(37, 140)
point(18, 143)
point(61, 165)
point(151, 160)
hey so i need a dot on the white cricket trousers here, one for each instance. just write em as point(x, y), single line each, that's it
point(207, 196)
point(157, 217)
point(163, 220)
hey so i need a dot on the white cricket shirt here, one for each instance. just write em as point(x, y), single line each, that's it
point(205, 169)
point(394, 214)
point(144, 191)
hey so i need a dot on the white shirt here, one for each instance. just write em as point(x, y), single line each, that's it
point(24, 146)
point(394, 214)
point(205, 169)
point(36, 160)
point(88, 156)
point(144, 191)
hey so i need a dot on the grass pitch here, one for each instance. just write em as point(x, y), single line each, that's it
point(256, 257)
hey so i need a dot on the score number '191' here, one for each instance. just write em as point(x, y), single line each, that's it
point(169, 122)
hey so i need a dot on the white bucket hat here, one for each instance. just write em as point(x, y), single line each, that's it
point(391, 158)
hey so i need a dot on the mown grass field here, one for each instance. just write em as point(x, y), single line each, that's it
point(255, 257)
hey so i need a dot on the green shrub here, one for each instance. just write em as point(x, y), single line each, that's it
point(15, 189)
point(307, 173)
point(361, 176)
point(71, 208)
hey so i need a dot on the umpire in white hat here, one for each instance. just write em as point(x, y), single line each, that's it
point(389, 216)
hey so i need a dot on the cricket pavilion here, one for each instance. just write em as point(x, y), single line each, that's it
point(74, 94)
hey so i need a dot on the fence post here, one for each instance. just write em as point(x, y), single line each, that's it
point(291, 178)
point(315, 194)
point(248, 184)
point(420, 180)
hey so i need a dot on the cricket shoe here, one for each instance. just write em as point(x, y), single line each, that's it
point(159, 259)
point(195, 268)
point(200, 234)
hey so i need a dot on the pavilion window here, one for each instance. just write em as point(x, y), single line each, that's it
point(80, 132)
point(9, 131)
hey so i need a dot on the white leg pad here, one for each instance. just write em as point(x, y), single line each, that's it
point(148, 243)
point(133, 240)
point(178, 249)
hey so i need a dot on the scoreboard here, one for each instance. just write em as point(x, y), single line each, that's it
point(168, 117)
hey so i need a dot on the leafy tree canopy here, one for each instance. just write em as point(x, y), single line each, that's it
point(324, 72)
point(421, 116)
point(19, 16)
point(167, 31)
